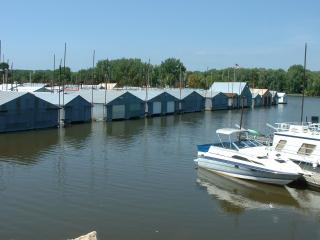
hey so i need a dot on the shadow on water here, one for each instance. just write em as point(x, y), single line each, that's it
point(27, 147)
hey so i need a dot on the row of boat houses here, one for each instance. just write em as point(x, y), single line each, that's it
point(45, 109)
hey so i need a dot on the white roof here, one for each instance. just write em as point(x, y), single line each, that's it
point(53, 98)
point(184, 92)
point(260, 91)
point(255, 94)
point(99, 95)
point(31, 89)
point(281, 94)
point(274, 93)
point(228, 87)
point(229, 131)
point(7, 96)
point(141, 93)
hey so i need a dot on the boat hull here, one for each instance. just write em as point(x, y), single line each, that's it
point(246, 172)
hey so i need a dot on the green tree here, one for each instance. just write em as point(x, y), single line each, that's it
point(170, 71)
point(295, 79)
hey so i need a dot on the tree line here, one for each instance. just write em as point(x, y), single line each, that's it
point(170, 73)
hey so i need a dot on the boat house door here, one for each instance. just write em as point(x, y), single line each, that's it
point(156, 108)
point(118, 111)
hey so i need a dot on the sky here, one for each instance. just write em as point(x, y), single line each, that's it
point(201, 33)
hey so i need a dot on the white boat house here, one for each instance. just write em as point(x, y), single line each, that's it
point(282, 98)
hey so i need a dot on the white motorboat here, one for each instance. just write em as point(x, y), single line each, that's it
point(300, 142)
point(237, 156)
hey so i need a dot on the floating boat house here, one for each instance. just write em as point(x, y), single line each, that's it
point(158, 102)
point(282, 98)
point(25, 111)
point(124, 105)
point(98, 99)
point(274, 97)
point(256, 100)
point(238, 92)
point(219, 101)
point(73, 107)
point(215, 100)
point(114, 104)
point(190, 100)
point(233, 100)
point(265, 94)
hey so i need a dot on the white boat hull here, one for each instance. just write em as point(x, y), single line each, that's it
point(246, 172)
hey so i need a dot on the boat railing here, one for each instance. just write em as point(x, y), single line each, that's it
point(305, 127)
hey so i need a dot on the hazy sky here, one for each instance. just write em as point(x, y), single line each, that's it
point(214, 34)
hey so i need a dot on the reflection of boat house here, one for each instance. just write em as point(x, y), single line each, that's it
point(25, 111)
point(74, 108)
point(238, 90)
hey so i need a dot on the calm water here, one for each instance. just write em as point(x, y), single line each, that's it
point(136, 180)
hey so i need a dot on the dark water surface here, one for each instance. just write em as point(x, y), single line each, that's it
point(136, 180)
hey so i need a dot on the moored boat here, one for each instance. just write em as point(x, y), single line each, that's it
point(238, 156)
point(300, 143)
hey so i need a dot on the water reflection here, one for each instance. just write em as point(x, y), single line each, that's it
point(235, 195)
point(27, 147)
point(125, 129)
point(77, 134)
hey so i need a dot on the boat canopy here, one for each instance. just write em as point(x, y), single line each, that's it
point(230, 131)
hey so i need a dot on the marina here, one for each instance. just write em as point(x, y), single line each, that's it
point(78, 104)
point(110, 177)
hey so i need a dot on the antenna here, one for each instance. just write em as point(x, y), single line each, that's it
point(304, 80)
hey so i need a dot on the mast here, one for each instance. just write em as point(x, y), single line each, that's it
point(93, 58)
point(54, 69)
point(180, 81)
point(64, 71)
point(59, 89)
point(11, 76)
point(304, 80)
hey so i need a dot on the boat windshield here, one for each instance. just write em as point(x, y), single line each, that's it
point(236, 139)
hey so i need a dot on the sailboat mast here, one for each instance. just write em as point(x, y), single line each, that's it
point(304, 80)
